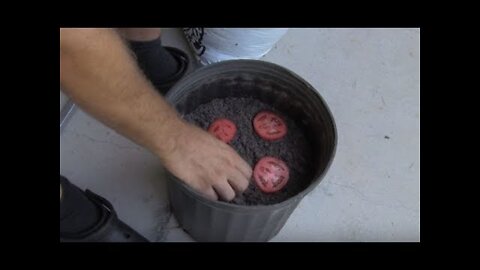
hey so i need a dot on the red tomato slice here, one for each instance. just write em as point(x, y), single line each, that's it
point(223, 129)
point(270, 174)
point(269, 126)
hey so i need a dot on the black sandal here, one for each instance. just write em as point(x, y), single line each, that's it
point(108, 229)
point(183, 62)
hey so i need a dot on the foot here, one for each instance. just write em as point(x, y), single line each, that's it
point(163, 66)
point(88, 217)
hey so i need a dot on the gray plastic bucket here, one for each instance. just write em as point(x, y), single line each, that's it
point(217, 221)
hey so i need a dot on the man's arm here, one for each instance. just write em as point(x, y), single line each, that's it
point(99, 74)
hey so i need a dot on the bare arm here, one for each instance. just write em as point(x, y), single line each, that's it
point(99, 74)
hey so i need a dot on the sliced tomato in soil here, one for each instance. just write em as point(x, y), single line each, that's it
point(223, 129)
point(270, 174)
point(269, 126)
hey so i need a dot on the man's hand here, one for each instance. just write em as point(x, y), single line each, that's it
point(207, 164)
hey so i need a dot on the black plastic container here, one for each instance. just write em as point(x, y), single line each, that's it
point(207, 220)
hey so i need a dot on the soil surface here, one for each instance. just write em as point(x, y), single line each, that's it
point(293, 149)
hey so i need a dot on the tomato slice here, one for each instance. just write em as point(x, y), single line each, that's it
point(223, 129)
point(269, 126)
point(270, 174)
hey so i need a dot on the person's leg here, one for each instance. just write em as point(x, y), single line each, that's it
point(161, 65)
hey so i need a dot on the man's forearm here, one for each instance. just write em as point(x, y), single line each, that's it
point(99, 74)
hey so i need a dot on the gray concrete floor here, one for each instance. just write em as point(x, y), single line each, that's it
point(370, 79)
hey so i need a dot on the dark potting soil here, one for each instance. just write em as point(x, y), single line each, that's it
point(293, 149)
